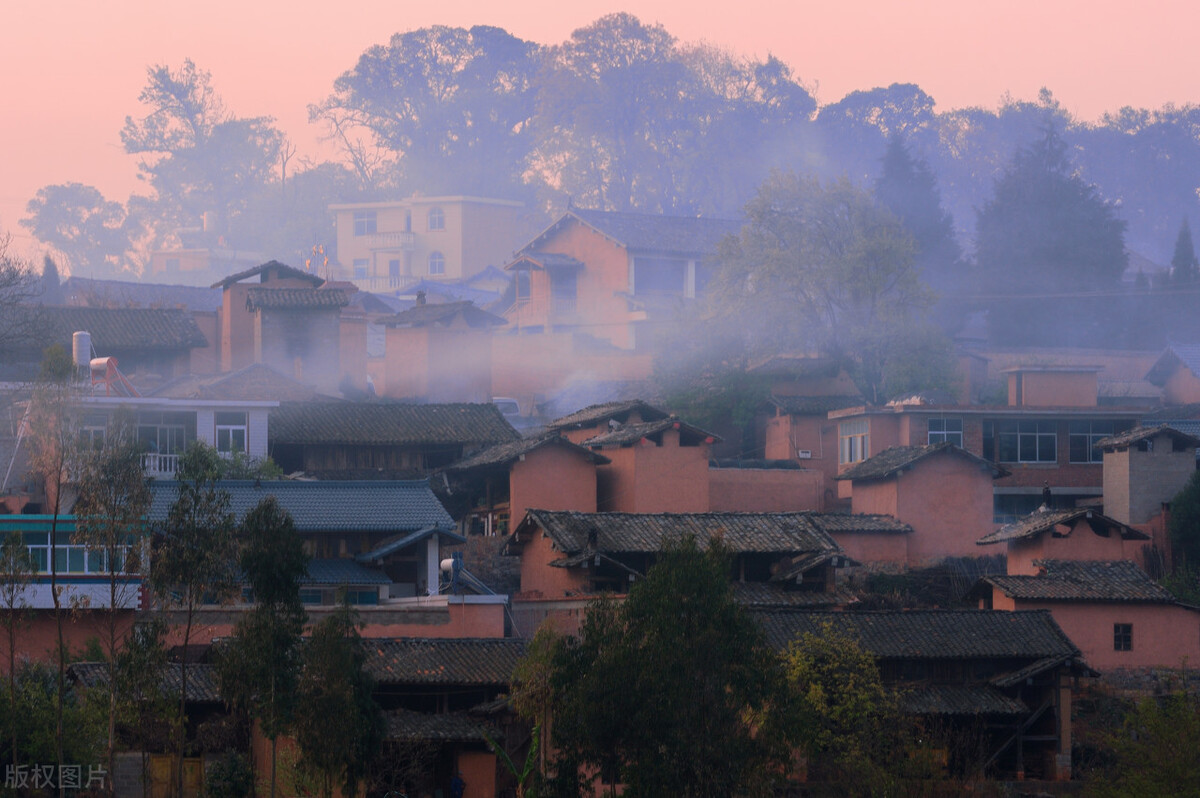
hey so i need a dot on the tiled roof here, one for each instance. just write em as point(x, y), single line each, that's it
point(858, 523)
point(341, 571)
point(583, 393)
point(764, 594)
point(597, 414)
point(546, 260)
point(1175, 355)
point(282, 269)
point(1072, 580)
point(443, 661)
point(929, 634)
point(893, 460)
point(296, 299)
point(252, 383)
point(1137, 434)
point(505, 453)
point(815, 405)
point(632, 433)
point(646, 232)
point(388, 424)
point(450, 727)
point(959, 699)
point(1039, 522)
point(445, 313)
point(115, 329)
point(329, 506)
point(575, 532)
point(1127, 389)
point(201, 679)
point(796, 365)
point(87, 292)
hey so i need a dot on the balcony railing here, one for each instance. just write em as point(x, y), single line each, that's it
point(160, 465)
point(387, 283)
point(398, 240)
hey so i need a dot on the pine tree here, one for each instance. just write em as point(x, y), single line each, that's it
point(1185, 269)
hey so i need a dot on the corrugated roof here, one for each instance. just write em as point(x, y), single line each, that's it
point(505, 453)
point(296, 299)
point(201, 679)
point(1072, 580)
point(597, 414)
point(1039, 522)
point(575, 532)
point(341, 571)
point(893, 460)
point(443, 661)
point(959, 699)
point(627, 434)
point(389, 424)
point(1138, 434)
point(929, 634)
point(360, 506)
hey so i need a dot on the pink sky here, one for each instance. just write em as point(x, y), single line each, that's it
point(71, 70)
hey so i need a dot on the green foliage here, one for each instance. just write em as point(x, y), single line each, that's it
point(231, 776)
point(1185, 268)
point(1184, 525)
point(665, 691)
point(240, 465)
point(338, 726)
point(34, 719)
point(1154, 753)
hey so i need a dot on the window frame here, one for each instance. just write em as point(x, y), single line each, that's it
point(945, 435)
point(438, 258)
point(1089, 438)
point(1008, 441)
point(230, 426)
point(1122, 637)
point(854, 441)
point(435, 219)
point(366, 223)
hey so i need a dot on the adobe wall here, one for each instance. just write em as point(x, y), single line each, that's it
point(645, 478)
point(1137, 484)
point(302, 344)
point(785, 435)
point(1181, 388)
point(873, 548)
point(764, 490)
point(1081, 544)
point(238, 327)
point(1164, 636)
point(206, 359)
point(1052, 389)
point(459, 365)
point(352, 355)
point(478, 769)
point(564, 615)
point(407, 356)
point(948, 503)
point(37, 640)
point(541, 580)
point(526, 367)
point(551, 478)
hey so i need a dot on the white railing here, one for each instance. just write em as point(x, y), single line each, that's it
point(404, 240)
point(157, 465)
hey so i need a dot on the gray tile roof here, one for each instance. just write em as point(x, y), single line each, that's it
point(1072, 580)
point(1040, 522)
point(343, 571)
point(280, 269)
point(594, 415)
point(113, 330)
point(443, 661)
point(450, 727)
point(897, 458)
point(815, 405)
point(445, 313)
point(357, 506)
point(389, 424)
point(929, 634)
point(505, 453)
point(574, 533)
point(202, 679)
point(546, 260)
point(627, 434)
point(88, 292)
point(254, 382)
point(1138, 434)
point(764, 594)
point(296, 299)
point(646, 232)
point(959, 699)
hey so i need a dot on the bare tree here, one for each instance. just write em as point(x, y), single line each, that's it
point(16, 569)
point(18, 286)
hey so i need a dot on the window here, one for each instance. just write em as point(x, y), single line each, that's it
point(92, 431)
point(1122, 637)
point(73, 557)
point(1020, 441)
point(231, 432)
point(437, 219)
point(853, 441)
point(360, 268)
point(1084, 436)
point(946, 430)
point(660, 276)
point(364, 223)
point(437, 263)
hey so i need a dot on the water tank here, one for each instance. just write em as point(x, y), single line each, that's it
point(81, 351)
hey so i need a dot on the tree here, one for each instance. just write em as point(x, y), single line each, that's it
point(1185, 268)
point(664, 692)
point(110, 513)
point(259, 668)
point(148, 706)
point(196, 155)
point(92, 233)
point(820, 268)
point(1184, 526)
point(53, 427)
point(1154, 753)
point(339, 727)
point(16, 570)
point(17, 286)
point(194, 561)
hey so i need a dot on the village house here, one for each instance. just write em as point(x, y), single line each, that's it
point(388, 246)
point(368, 439)
point(942, 491)
point(1003, 678)
point(439, 352)
point(568, 558)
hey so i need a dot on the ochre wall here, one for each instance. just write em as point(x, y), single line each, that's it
point(863, 548)
point(1181, 388)
point(1053, 389)
point(764, 490)
point(948, 503)
point(207, 359)
point(1080, 544)
point(551, 478)
point(541, 580)
point(645, 478)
